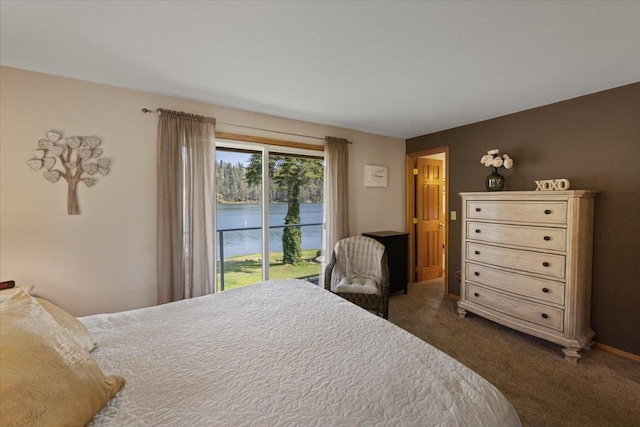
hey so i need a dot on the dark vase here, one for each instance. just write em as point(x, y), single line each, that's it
point(495, 181)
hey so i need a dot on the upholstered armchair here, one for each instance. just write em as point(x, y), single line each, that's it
point(358, 272)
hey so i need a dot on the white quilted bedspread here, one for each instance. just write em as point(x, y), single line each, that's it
point(282, 353)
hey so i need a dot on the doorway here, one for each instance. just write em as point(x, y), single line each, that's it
point(269, 207)
point(427, 202)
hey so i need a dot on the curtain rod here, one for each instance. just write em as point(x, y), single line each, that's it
point(146, 110)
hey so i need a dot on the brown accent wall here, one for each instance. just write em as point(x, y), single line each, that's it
point(594, 141)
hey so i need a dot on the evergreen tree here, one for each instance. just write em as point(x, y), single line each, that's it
point(290, 174)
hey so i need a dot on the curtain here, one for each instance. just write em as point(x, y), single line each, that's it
point(186, 206)
point(336, 197)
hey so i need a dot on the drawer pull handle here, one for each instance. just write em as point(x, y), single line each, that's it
point(547, 212)
point(545, 290)
point(478, 230)
point(477, 252)
point(476, 273)
point(544, 316)
point(547, 238)
point(545, 264)
point(478, 209)
point(476, 294)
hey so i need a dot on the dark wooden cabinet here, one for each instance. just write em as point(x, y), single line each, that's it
point(396, 245)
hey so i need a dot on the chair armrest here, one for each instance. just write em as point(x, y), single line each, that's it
point(328, 271)
point(384, 267)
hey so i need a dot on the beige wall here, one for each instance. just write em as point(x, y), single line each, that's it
point(104, 259)
point(594, 141)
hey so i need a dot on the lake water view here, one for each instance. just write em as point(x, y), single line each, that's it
point(247, 242)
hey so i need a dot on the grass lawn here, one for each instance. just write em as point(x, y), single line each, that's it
point(247, 269)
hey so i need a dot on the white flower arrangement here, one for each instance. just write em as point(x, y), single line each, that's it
point(494, 159)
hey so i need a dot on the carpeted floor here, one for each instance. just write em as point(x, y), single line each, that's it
point(600, 390)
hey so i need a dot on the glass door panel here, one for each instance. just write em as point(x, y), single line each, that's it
point(295, 216)
point(238, 218)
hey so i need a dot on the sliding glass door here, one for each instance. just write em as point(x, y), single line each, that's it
point(279, 239)
point(295, 216)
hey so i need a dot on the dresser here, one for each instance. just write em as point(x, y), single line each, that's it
point(396, 246)
point(526, 263)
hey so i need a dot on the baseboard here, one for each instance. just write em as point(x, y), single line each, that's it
point(453, 296)
point(617, 352)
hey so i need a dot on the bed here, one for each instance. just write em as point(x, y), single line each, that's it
point(282, 353)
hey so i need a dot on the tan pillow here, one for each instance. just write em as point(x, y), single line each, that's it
point(73, 326)
point(5, 294)
point(47, 378)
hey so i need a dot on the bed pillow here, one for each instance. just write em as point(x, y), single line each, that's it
point(47, 378)
point(71, 324)
point(5, 294)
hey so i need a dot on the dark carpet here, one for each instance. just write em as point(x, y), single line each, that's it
point(602, 389)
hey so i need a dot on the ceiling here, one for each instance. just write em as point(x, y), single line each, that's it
point(400, 69)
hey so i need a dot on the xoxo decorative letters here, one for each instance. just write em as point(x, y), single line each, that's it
point(552, 184)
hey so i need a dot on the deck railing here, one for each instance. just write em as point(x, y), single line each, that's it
point(221, 247)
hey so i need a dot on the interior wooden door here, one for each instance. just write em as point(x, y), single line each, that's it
point(430, 218)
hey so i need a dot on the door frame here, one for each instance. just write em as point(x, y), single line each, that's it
point(410, 161)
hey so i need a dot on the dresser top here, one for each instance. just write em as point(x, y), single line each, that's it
point(384, 233)
point(497, 195)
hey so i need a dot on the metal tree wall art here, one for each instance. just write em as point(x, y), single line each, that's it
point(78, 155)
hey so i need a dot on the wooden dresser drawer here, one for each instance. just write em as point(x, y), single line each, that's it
point(529, 311)
point(541, 212)
point(553, 239)
point(548, 291)
point(526, 261)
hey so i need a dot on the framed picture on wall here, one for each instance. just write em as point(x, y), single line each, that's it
point(375, 176)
